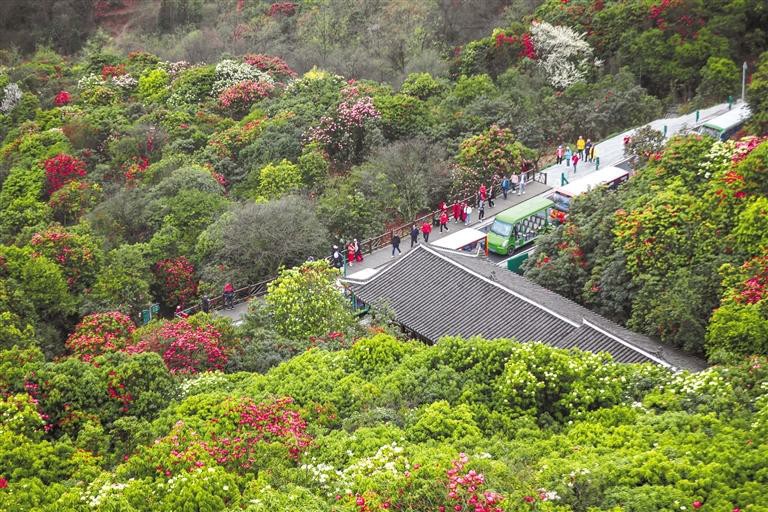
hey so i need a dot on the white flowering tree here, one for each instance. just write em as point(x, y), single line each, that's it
point(10, 98)
point(562, 53)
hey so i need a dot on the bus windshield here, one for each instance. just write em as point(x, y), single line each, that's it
point(501, 228)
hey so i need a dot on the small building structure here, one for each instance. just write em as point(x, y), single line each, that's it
point(435, 294)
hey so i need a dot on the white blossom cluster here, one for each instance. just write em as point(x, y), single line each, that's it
point(718, 158)
point(89, 81)
point(125, 81)
point(11, 98)
point(100, 489)
point(563, 54)
point(230, 72)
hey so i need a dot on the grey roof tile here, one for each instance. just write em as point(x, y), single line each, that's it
point(437, 294)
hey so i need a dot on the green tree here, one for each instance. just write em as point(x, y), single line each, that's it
point(305, 301)
point(757, 96)
point(719, 78)
point(277, 180)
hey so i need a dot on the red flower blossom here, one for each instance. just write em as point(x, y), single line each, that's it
point(3, 483)
point(61, 99)
point(62, 169)
point(697, 504)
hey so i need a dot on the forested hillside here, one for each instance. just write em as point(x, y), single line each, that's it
point(152, 151)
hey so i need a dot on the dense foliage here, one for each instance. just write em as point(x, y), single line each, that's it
point(156, 150)
point(678, 252)
point(385, 424)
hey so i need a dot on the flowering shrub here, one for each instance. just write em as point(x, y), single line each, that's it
point(185, 348)
point(125, 81)
point(77, 254)
point(72, 200)
point(99, 333)
point(136, 169)
point(465, 490)
point(343, 132)
point(11, 98)
point(231, 72)
point(564, 55)
point(239, 97)
point(275, 67)
point(178, 284)
point(62, 98)
point(62, 169)
point(282, 8)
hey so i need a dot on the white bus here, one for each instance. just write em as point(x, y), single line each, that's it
point(724, 126)
point(609, 176)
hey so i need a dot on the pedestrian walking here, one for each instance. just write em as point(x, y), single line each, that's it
point(414, 235)
point(568, 155)
point(358, 251)
point(515, 180)
point(350, 253)
point(505, 186)
point(205, 304)
point(491, 196)
point(580, 146)
point(229, 296)
point(395, 245)
point(521, 184)
point(480, 211)
point(443, 221)
point(426, 229)
point(483, 192)
point(575, 160)
point(593, 153)
point(336, 258)
point(587, 149)
point(559, 153)
point(456, 211)
point(467, 214)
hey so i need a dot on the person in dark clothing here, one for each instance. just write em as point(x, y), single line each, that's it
point(337, 259)
point(205, 304)
point(480, 211)
point(491, 196)
point(505, 186)
point(414, 235)
point(396, 245)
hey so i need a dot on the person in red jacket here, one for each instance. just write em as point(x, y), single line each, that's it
point(443, 221)
point(229, 296)
point(483, 192)
point(350, 253)
point(426, 229)
point(575, 160)
point(456, 211)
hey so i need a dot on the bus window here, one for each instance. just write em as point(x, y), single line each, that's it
point(501, 228)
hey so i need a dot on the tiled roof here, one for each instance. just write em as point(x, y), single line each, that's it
point(437, 294)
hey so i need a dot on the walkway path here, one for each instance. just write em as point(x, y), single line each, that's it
point(610, 151)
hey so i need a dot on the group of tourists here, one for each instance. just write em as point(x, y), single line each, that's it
point(586, 150)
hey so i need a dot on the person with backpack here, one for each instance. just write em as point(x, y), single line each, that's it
point(443, 221)
point(426, 229)
point(395, 244)
point(505, 186)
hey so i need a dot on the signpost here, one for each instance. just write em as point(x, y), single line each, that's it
point(146, 314)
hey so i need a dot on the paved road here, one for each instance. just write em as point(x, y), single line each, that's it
point(610, 151)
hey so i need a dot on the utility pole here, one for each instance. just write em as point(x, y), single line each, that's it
point(743, 82)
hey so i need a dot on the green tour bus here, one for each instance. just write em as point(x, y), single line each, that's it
point(519, 225)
